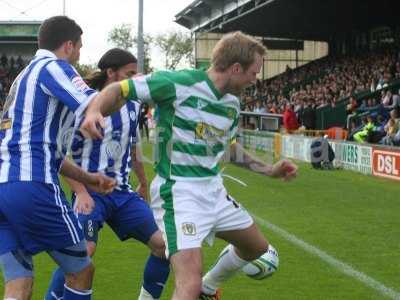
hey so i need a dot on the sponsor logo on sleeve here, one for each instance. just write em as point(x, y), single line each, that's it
point(80, 84)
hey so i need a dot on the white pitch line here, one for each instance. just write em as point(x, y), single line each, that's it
point(145, 159)
point(234, 179)
point(337, 264)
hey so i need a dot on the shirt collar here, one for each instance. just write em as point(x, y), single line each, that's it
point(45, 53)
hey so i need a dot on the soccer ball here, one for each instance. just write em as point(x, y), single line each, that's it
point(263, 266)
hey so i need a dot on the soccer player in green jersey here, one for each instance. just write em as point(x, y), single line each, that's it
point(198, 120)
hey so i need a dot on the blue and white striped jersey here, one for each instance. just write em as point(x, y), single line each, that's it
point(112, 154)
point(38, 119)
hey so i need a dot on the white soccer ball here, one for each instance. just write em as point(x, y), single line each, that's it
point(263, 266)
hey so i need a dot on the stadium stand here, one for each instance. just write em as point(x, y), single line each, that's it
point(360, 80)
point(9, 69)
point(18, 43)
point(360, 76)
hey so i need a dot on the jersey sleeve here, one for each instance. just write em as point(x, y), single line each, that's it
point(234, 130)
point(155, 88)
point(61, 81)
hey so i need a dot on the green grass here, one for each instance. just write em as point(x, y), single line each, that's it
point(352, 217)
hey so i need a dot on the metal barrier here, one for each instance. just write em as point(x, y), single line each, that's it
point(336, 133)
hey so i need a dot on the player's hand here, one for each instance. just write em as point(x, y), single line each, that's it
point(101, 183)
point(93, 123)
point(84, 203)
point(284, 169)
point(142, 191)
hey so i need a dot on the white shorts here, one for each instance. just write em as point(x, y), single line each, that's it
point(189, 212)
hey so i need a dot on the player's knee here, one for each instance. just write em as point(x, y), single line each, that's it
point(87, 272)
point(91, 248)
point(159, 250)
point(81, 280)
point(16, 266)
point(157, 245)
point(19, 289)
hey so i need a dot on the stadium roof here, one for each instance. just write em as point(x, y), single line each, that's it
point(19, 31)
point(293, 19)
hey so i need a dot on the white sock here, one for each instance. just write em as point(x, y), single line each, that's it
point(227, 265)
point(145, 295)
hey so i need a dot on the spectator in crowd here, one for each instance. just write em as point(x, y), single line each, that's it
point(396, 138)
point(363, 106)
point(274, 109)
point(143, 120)
point(395, 103)
point(259, 108)
point(4, 60)
point(309, 116)
point(351, 108)
point(329, 80)
point(2, 96)
point(362, 135)
point(20, 62)
point(290, 119)
point(8, 72)
point(391, 128)
point(386, 98)
point(353, 128)
point(12, 62)
point(380, 124)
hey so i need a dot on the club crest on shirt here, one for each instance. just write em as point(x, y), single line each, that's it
point(113, 149)
point(210, 134)
point(201, 104)
point(132, 115)
point(64, 140)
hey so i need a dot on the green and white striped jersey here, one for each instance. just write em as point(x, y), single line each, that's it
point(196, 123)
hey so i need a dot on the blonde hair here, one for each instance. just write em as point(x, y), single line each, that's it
point(235, 47)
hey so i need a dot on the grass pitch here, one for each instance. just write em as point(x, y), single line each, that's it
point(350, 217)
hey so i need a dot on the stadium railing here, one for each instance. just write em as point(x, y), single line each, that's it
point(336, 133)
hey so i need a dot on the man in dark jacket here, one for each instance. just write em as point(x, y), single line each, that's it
point(309, 116)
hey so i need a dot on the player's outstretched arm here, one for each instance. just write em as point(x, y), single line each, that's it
point(105, 103)
point(84, 203)
point(284, 169)
point(96, 182)
point(138, 168)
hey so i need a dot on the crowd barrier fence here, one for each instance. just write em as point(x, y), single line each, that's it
point(369, 159)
